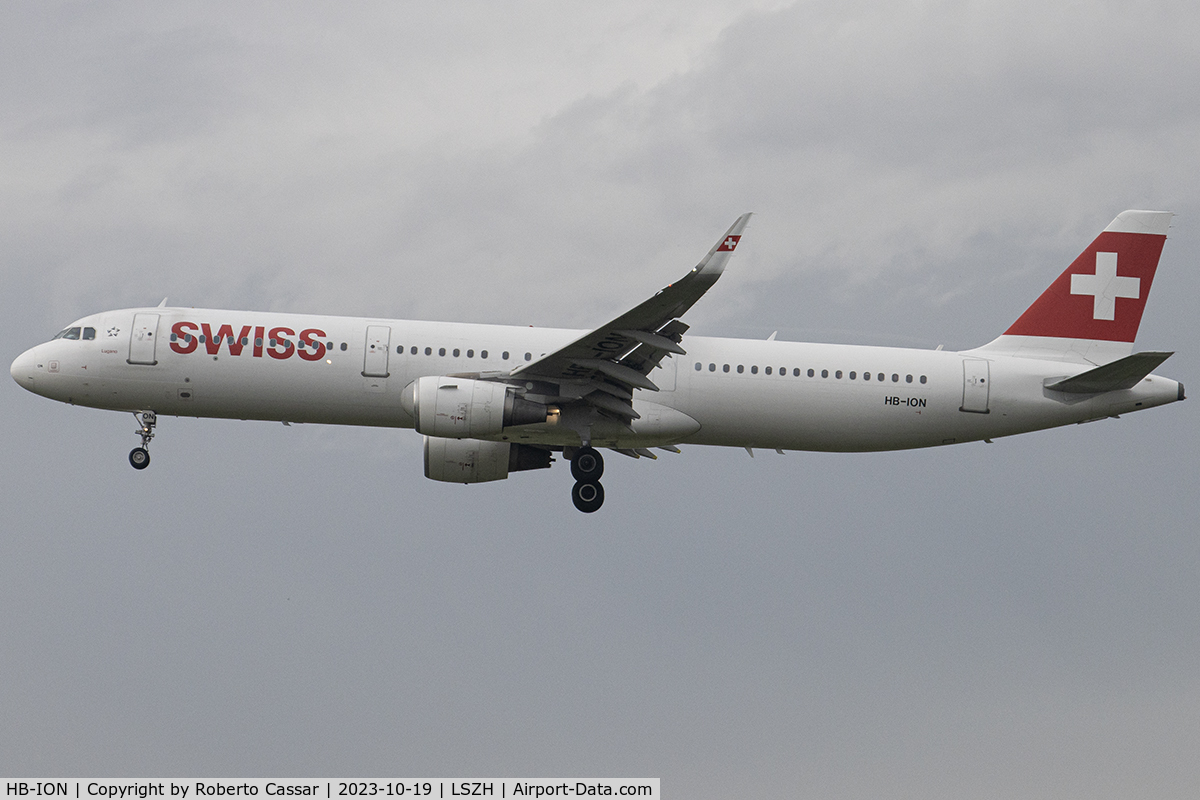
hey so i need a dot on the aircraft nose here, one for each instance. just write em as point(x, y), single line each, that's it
point(23, 367)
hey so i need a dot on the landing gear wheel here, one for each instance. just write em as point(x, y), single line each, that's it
point(588, 496)
point(139, 458)
point(587, 465)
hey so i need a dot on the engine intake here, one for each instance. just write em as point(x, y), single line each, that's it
point(457, 408)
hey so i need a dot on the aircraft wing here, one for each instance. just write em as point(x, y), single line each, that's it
point(609, 362)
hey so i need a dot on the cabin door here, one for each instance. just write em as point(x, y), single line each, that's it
point(142, 339)
point(375, 356)
point(976, 380)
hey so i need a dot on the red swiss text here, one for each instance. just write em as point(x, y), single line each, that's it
point(279, 343)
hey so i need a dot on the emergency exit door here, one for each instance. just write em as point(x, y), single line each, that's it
point(375, 356)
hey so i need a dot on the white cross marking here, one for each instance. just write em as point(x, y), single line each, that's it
point(731, 242)
point(1106, 286)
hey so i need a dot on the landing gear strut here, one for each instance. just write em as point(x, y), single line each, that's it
point(139, 457)
point(586, 467)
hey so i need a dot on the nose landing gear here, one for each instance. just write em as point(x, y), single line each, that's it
point(587, 466)
point(139, 457)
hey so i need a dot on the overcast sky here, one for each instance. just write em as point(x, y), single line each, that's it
point(1017, 619)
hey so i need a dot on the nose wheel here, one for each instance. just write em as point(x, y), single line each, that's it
point(139, 457)
point(586, 467)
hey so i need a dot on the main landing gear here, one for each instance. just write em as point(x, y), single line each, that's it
point(139, 457)
point(586, 467)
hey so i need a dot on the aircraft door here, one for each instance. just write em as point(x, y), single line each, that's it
point(141, 339)
point(375, 356)
point(976, 380)
point(664, 376)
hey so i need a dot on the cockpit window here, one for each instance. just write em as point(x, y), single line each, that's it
point(72, 333)
point(89, 333)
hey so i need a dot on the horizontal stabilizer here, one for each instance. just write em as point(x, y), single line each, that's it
point(1124, 373)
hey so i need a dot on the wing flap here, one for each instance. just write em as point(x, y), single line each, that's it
point(620, 372)
point(622, 408)
point(654, 341)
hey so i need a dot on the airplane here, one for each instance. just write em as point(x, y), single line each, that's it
point(491, 400)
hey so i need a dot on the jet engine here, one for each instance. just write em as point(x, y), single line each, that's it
point(457, 408)
point(475, 461)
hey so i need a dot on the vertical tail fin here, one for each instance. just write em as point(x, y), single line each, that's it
point(1092, 311)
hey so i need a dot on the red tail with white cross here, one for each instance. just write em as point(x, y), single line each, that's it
point(1102, 294)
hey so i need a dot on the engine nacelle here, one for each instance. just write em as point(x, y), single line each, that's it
point(457, 408)
point(475, 461)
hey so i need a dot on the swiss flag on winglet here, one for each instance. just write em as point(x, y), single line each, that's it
point(1101, 295)
point(729, 244)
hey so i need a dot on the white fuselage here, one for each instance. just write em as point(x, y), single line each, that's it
point(732, 392)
